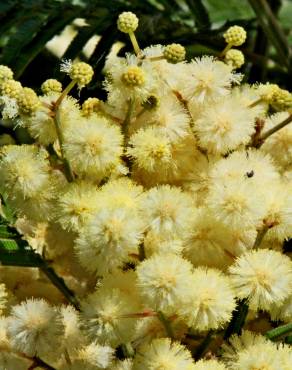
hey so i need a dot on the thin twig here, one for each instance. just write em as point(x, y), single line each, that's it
point(166, 323)
point(279, 331)
point(238, 319)
point(260, 236)
point(276, 128)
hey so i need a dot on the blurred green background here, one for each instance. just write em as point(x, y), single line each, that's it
point(30, 41)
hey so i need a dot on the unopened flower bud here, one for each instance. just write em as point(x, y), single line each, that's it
point(5, 73)
point(127, 22)
point(82, 73)
point(28, 101)
point(10, 88)
point(51, 86)
point(134, 76)
point(174, 53)
point(235, 35)
point(90, 106)
point(235, 58)
point(282, 99)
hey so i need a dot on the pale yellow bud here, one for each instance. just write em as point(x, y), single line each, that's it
point(282, 99)
point(28, 101)
point(10, 88)
point(174, 53)
point(82, 73)
point(235, 58)
point(5, 73)
point(235, 35)
point(134, 76)
point(127, 22)
point(51, 86)
point(90, 106)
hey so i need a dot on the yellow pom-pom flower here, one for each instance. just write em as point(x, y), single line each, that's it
point(35, 328)
point(210, 302)
point(263, 276)
point(165, 282)
point(235, 35)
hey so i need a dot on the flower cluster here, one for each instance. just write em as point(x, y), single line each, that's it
point(164, 209)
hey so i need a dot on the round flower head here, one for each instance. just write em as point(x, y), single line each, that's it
point(209, 365)
point(28, 101)
point(90, 106)
point(167, 210)
point(165, 282)
point(237, 204)
point(123, 193)
point(207, 79)
point(26, 180)
point(225, 125)
point(51, 86)
point(169, 116)
point(93, 148)
point(107, 240)
point(35, 328)
point(279, 145)
point(106, 316)
point(253, 167)
point(237, 344)
point(127, 22)
point(174, 53)
point(95, 356)
point(82, 73)
point(235, 58)
point(10, 88)
point(205, 242)
point(210, 301)
point(150, 148)
point(235, 35)
point(263, 276)
point(163, 354)
point(77, 204)
point(5, 73)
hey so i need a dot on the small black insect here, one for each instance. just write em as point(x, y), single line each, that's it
point(250, 173)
